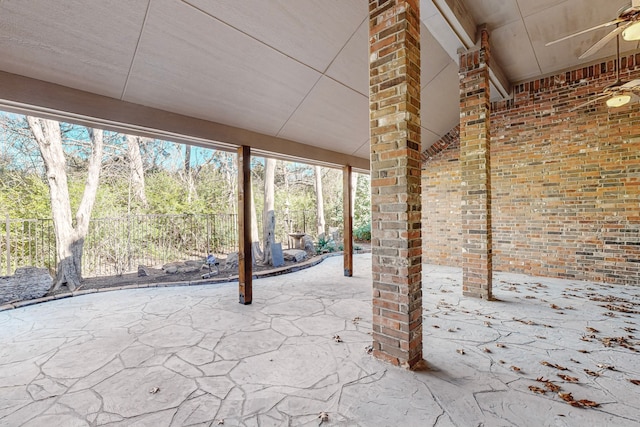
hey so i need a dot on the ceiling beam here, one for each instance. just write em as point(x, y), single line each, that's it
point(25, 95)
point(464, 34)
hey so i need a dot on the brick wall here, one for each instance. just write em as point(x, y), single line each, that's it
point(565, 185)
point(441, 240)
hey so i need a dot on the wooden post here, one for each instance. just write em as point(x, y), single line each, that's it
point(347, 212)
point(245, 272)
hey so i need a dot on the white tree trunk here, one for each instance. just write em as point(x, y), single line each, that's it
point(321, 224)
point(255, 234)
point(269, 224)
point(137, 169)
point(69, 239)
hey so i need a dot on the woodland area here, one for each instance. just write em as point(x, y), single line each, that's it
point(93, 175)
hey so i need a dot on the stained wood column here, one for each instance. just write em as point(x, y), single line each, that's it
point(475, 112)
point(245, 262)
point(347, 212)
point(396, 243)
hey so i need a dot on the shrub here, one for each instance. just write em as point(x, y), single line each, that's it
point(363, 232)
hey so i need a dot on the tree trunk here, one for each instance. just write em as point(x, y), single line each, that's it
point(269, 220)
point(321, 224)
point(137, 169)
point(188, 174)
point(69, 239)
point(255, 234)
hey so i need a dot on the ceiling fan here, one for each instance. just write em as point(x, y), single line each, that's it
point(627, 24)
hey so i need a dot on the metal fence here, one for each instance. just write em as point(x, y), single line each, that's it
point(118, 245)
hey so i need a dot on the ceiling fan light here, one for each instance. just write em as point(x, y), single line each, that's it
point(618, 100)
point(632, 32)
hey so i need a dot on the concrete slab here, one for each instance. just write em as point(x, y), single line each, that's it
point(193, 356)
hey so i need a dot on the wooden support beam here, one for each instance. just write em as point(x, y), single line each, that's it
point(245, 261)
point(347, 211)
point(466, 35)
point(24, 95)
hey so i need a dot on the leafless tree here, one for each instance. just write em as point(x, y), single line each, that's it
point(136, 169)
point(69, 238)
point(321, 224)
point(269, 216)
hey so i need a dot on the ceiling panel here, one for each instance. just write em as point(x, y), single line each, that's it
point(351, 66)
point(433, 59)
point(332, 115)
point(428, 138)
point(364, 150)
point(311, 31)
point(440, 101)
point(87, 48)
point(511, 48)
point(189, 63)
point(528, 7)
point(494, 13)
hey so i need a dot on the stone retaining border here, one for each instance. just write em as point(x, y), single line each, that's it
point(275, 272)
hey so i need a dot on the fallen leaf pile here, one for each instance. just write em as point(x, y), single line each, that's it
point(553, 365)
point(618, 341)
point(567, 397)
point(622, 308)
point(548, 384)
point(525, 322)
point(568, 378)
point(584, 403)
point(592, 373)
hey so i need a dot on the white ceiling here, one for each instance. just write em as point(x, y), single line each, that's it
point(291, 69)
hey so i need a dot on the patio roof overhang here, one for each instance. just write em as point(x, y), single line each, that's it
point(289, 80)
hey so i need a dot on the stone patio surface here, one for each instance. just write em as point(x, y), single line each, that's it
point(193, 356)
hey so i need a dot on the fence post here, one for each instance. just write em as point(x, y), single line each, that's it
point(8, 247)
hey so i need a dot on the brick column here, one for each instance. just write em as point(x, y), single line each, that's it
point(394, 97)
point(475, 171)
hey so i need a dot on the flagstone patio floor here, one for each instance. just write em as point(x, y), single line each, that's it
point(193, 356)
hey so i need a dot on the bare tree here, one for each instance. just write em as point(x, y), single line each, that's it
point(269, 216)
point(321, 224)
point(69, 238)
point(136, 169)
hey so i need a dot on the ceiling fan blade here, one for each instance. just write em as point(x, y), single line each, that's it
point(603, 41)
point(606, 24)
point(633, 84)
point(589, 102)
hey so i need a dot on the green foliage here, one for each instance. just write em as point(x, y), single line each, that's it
point(362, 203)
point(325, 245)
point(166, 194)
point(24, 195)
point(363, 232)
point(207, 186)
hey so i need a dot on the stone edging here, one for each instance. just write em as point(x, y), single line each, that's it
point(268, 273)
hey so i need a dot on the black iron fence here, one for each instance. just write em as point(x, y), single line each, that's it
point(118, 245)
